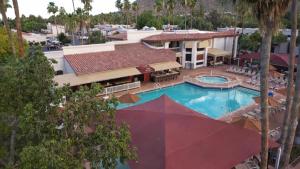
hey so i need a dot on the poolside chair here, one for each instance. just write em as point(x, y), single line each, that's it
point(249, 73)
point(230, 69)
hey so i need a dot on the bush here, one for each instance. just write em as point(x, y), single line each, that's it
point(148, 19)
point(63, 39)
point(96, 38)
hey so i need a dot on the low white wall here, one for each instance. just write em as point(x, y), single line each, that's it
point(68, 50)
point(137, 36)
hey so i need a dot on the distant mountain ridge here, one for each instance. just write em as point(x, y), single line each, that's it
point(208, 5)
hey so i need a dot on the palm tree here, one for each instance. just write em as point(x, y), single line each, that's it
point(184, 3)
point(87, 8)
point(87, 5)
point(126, 8)
point(74, 9)
point(135, 8)
point(268, 13)
point(19, 28)
point(52, 8)
point(3, 7)
point(119, 5)
point(158, 6)
point(170, 7)
point(191, 5)
point(71, 25)
point(291, 115)
point(80, 15)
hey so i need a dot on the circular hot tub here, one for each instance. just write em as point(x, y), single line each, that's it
point(213, 79)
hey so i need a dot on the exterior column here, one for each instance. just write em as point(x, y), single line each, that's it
point(235, 46)
point(167, 45)
point(183, 55)
point(205, 57)
point(194, 54)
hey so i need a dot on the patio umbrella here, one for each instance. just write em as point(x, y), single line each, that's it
point(247, 123)
point(129, 98)
point(168, 135)
point(271, 101)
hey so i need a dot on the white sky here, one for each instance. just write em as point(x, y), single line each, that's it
point(39, 7)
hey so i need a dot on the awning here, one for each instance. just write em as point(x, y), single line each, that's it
point(168, 135)
point(218, 52)
point(165, 66)
point(74, 80)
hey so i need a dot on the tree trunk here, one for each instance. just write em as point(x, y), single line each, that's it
point(55, 25)
point(287, 130)
point(293, 121)
point(264, 87)
point(4, 18)
point(73, 6)
point(185, 18)
point(191, 19)
point(12, 143)
point(290, 75)
point(19, 29)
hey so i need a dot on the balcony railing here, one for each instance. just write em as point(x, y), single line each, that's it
point(119, 88)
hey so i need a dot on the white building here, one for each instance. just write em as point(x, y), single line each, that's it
point(155, 49)
point(54, 30)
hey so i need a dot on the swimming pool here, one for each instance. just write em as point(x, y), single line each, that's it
point(214, 103)
point(212, 79)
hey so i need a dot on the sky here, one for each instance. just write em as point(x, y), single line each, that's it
point(39, 7)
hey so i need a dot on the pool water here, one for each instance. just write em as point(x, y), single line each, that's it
point(212, 79)
point(214, 103)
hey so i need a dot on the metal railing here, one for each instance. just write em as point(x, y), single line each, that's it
point(122, 87)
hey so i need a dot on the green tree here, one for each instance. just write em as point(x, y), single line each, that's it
point(269, 14)
point(5, 47)
point(71, 25)
point(291, 118)
point(184, 4)
point(87, 5)
point(3, 8)
point(159, 7)
point(19, 29)
point(52, 8)
point(148, 19)
point(126, 8)
point(33, 23)
point(48, 136)
point(170, 8)
point(96, 38)
point(191, 4)
point(135, 9)
point(63, 38)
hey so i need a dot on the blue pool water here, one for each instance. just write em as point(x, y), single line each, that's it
point(214, 103)
point(212, 79)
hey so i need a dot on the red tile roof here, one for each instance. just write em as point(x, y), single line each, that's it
point(127, 55)
point(187, 36)
point(118, 36)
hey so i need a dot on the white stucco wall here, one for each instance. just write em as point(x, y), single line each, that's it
point(136, 36)
point(67, 68)
point(68, 50)
point(219, 43)
point(58, 57)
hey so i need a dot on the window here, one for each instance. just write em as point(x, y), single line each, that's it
point(200, 49)
point(188, 49)
point(188, 57)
